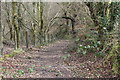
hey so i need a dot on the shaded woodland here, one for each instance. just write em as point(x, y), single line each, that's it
point(92, 30)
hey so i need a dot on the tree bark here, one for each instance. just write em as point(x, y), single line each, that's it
point(26, 39)
point(16, 30)
point(1, 35)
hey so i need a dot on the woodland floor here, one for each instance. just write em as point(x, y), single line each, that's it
point(39, 63)
point(53, 61)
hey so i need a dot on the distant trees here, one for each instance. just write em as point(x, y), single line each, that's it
point(35, 23)
point(25, 23)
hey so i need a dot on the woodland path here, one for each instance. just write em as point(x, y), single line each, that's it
point(45, 62)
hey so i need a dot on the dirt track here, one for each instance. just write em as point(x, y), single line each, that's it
point(46, 62)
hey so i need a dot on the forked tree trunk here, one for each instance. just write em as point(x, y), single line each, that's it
point(16, 30)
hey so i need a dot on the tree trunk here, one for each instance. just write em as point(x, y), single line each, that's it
point(118, 57)
point(16, 30)
point(34, 26)
point(40, 24)
point(67, 24)
point(26, 39)
point(1, 39)
point(19, 25)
